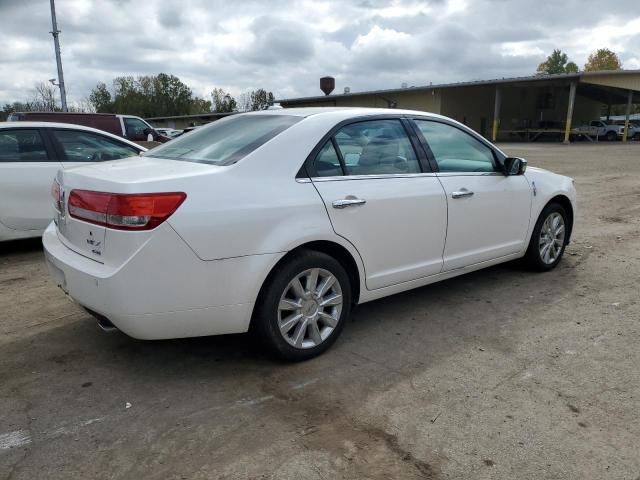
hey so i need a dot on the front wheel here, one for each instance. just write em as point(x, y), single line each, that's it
point(304, 306)
point(612, 136)
point(547, 243)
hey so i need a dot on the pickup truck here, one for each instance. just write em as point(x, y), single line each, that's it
point(634, 129)
point(601, 129)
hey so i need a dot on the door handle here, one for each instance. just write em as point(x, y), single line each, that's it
point(462, 193)
point(348, 202)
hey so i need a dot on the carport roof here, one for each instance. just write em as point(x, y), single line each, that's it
point(498, 81)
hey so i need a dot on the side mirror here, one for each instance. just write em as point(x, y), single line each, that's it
point(514, 166)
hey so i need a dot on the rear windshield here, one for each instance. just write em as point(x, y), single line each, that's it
point(225, 141)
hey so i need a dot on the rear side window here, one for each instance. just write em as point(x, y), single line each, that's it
point(79, 146)
point(225, 141)
point(327, 162)
point(22, 146)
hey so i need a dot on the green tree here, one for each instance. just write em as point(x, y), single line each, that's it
point(169, 95)
point(261, 99)
point(199, 105)
point(571, 67)
point(557, 62)
point(100, 98)
point(602, 59)
point(223, 102)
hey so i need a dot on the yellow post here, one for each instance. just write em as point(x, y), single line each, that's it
point(496, 115)
point(572, 100)
point(626, 118)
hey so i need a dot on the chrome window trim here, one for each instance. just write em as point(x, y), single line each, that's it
point(342, 178)
point(470, 174)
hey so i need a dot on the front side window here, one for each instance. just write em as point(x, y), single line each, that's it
point(79, 146)
point(455, 150)
point(135, 128)
point(225, 141)
point(22, 146)
point(376, 147)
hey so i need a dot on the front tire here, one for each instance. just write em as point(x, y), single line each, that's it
point(548, 239)
point(612, 136)
point(304, 306)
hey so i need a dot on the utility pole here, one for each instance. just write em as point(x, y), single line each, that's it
point(56, 44)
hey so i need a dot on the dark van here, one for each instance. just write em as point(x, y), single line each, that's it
point(127, 126)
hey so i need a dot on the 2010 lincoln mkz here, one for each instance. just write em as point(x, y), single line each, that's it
point(281, 221)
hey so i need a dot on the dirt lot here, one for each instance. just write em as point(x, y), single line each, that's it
point(497, 374)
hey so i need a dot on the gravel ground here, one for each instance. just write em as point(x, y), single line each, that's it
point(498, 374)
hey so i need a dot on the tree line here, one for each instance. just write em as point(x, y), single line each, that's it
point(145, 96)
point(166, 95)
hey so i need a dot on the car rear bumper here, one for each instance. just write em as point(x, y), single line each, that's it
point(164, 290)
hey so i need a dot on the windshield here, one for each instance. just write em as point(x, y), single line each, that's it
point(225, 141)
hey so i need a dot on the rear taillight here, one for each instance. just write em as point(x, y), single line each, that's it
point(138, 211)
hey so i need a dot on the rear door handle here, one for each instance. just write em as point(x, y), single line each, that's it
point(348, 202)
point(462, 193)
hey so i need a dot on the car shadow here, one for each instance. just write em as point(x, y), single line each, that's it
point(14, 247)
point(421, 317)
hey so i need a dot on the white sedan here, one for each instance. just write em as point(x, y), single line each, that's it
point(31, 153)
point(281, 221)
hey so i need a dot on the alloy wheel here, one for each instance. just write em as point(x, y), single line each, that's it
point(309, 308)
point(551, 239)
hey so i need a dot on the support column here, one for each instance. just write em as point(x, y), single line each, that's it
point(627, 114)
point(572, 101)
point(496, 114)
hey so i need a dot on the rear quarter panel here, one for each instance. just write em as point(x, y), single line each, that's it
point(257, 206)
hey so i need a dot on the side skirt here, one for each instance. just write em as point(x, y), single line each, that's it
point(369, 295)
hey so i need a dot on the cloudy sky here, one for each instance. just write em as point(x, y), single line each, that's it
point(285, 46)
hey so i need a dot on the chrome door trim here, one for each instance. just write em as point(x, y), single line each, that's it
point(470, 174)
point(342, 178)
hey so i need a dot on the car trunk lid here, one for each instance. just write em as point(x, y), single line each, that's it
point(118, 204)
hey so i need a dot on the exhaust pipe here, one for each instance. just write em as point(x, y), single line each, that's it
point(103, 322)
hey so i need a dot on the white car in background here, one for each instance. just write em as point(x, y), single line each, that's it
point(634, 129)
point(168, 132)
point(281, 221)
point(31, 153)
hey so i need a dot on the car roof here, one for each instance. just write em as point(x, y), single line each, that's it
point(68, 126)
point(341, 112)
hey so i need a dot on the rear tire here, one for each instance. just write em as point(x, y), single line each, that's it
point(548, 239)
point(303, 306)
